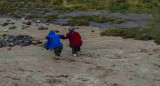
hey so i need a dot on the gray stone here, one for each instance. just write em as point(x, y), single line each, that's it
point(47, 23)
point(24, 27)
point(56, 31)
point(5, 24)
point(13, 27)
point(92, 30)
point(6, 30)
point(41, 28)
point(28, 23)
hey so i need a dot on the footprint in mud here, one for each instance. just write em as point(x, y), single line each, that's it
point(61, 79)
point(24, 70)
point(144, 51)
point(13, 78)
point(100, 69)
point(93, 55)
point(156, 50)
point(117, 56)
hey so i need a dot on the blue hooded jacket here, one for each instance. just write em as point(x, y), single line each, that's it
point(53, 40)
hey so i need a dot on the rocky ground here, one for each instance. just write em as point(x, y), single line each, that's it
point(130, 19)
point(105, 61)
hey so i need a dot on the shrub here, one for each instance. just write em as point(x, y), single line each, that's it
point(34, 16)
point(75, 22)
point(111, 32)
point(136, 33)
point(95, 18)
point(51, 17)
point(120, 21)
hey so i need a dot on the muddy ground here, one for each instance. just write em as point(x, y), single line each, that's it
point(105, 61)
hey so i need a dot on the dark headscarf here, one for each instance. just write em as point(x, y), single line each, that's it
point(71, 30)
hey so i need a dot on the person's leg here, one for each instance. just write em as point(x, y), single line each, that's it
point(78, 50)
point(75, 50)
point(58, 50)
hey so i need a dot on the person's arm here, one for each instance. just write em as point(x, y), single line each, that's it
point(67, 36)
point(61, 36)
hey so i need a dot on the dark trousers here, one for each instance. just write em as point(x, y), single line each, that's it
point(76, 49)
point(58, 50)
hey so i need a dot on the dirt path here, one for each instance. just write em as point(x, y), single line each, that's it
point(106, 61)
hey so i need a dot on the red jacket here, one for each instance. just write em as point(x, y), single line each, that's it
point(75, 39)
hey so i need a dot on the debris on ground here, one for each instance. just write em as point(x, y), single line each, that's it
point(22, 40)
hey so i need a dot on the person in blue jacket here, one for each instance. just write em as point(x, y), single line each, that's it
point(54, 43)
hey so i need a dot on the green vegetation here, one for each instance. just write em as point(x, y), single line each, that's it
point(110, 32)
point(120, 21)
point(34, 16)
point(154, 21)
point(95, 18)
point(51, 17)
point(136, 33)
point(75, 22)
point(138, 6)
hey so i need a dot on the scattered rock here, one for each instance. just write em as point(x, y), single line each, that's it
point(5, 24)
point(13, 40)
point(12, 23)
point(13, 27)
point(92, 30)
point(46, 28)
point(6, 30)
point(38, 21)
point(28, 23)
point(40, 28)
point(8, 48)
point(24, 27)
point(23, 22)
point(1, 43)
point(34, 42)
point(47, 23)
point(8, 20)
point(23, 19)
point(56, 31)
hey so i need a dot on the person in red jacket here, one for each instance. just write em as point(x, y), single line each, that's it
point(75, 41)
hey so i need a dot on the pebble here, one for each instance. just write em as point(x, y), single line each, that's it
point(38, 21)
point(23, 19)
point(6, 30)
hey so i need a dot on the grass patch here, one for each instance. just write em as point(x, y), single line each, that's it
point(110, 32)
point(119, 21)
point(31, 16)
point(75, 22)
point(51, 17)
point(96, 18)
point(137, 33)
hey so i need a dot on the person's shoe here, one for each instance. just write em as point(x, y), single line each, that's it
point(74, 55)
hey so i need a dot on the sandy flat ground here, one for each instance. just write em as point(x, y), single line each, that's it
point(105, 61)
